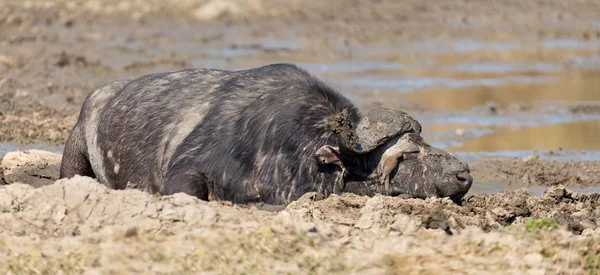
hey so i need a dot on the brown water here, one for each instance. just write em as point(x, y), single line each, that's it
point(499, 98)
point(566, 86)
point(584, 135)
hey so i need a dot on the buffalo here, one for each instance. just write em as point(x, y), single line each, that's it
point(268, 134)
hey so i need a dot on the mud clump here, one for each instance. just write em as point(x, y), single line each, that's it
point(535, 171)
point(343, 126)
point(33, 167)
point(585, 108)
point(64, 60)
point(575, 211)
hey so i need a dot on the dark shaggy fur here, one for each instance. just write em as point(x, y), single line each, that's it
point(255, 141)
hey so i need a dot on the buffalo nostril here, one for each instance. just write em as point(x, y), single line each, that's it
point(465, 178)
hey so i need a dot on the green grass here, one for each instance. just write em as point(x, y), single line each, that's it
point(540, 225)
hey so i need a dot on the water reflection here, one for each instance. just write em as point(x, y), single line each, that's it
point(569, 86)
point(578, 135)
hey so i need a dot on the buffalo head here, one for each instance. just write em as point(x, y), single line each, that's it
point(385, 154)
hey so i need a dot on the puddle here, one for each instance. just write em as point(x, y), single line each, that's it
point(350, 66)
point(555, 155)
point(585, 63)
point(440, 47)
point(566, 87)
point(583, 135)
point(483, 188)
point(474, 45)
point(409, 84)
point(518, 119)
point(7, 147)
point(571, 44)
point(504, 67)
point(451, 135)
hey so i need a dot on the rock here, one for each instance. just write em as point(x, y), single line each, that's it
point(531, 158)
point(34, 167)
point(217, 9)
point(365, 222)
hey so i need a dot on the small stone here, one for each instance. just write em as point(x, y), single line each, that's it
point(500, 212)
point(533, 259)
point(530, 158)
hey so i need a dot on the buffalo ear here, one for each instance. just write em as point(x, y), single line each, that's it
point(327, 154)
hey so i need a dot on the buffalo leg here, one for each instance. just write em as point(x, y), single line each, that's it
point(188, 183)
point(75, 159)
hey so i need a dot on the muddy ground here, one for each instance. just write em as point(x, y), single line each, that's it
point(78, 225)
point(481, 76)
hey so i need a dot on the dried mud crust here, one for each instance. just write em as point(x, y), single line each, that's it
point(32, 167)
point(535, 171)
point(78, 225)
point(342, 125)
point(576, 211)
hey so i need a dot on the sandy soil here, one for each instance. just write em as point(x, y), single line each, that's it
point(53, 53)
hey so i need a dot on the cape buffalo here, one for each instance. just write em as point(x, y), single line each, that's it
point(268, 134)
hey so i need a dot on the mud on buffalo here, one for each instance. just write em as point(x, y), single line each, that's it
point(268, 134)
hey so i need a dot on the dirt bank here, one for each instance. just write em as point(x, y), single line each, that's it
point(78, 225)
